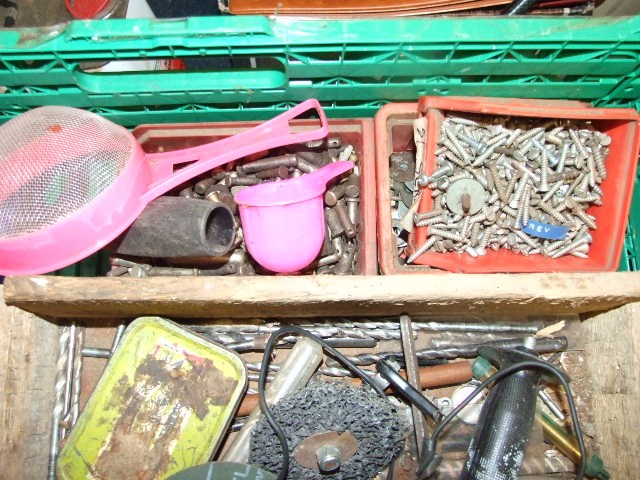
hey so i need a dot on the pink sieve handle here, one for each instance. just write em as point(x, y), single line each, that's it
point(273, 133)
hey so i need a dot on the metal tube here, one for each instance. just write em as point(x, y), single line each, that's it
point(302, 362)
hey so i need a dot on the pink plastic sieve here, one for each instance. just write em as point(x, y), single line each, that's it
point(283, 222)
point(72, 181)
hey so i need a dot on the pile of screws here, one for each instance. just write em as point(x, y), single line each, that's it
point(507, 183)
point(339, 253)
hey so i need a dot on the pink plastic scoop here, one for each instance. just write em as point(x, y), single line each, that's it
point(283, 222)
point(72, 181)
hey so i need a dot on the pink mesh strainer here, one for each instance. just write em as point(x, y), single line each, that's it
point(72, 181)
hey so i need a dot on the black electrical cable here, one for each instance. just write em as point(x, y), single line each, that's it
point(496, 377)
point(262, 381)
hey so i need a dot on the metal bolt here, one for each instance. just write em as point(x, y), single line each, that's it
point(353, 210)
point(347, 225)
point(201, 187)
point(289, 160)
point(328, 457)
point(280, 172)
point(333, 222)
point(230, 181)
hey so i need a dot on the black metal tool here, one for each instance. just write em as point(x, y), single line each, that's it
point(406, 391)
point(506, 421)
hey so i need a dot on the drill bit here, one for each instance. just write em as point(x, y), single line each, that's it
point(544, 345)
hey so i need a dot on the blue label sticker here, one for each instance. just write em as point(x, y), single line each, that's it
point(545, 230)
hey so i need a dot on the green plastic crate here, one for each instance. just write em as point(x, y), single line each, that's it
point(352, 66)
point(630, 260)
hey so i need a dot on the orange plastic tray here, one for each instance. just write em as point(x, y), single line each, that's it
point(357, 132)
point(611, 217)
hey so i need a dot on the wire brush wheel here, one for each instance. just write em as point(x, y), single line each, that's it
point(364, 427)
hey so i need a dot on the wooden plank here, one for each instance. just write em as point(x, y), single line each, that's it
point(612, 351)
point(309, 296)
point(28, 354)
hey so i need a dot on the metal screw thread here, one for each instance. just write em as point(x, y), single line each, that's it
point(517, 196)
point(77, 376)
point(575, 183)
point(466, 225)
point(563, 158)
point(456, 237)
point(525, 170)
point(549, 210)
point(472, 142)
point(599, 159)
point(423, 216)
point(429, 221)
point(597, 190)
point(487, 153)
point(512, 138)
point(481, 215)
point(486, 236)
point(552, 191)
point(593, 198)
point(526, 211)
point(578, 143)
point(570, 247)
point(464, 121)
point(529, 342)
point(527, 239)
point(522, 151)
point(510, 186)
point(457, 147)
point(452, 157)
point(582, 215)
point(591, 174)
point(423, 248)
point(58, 408)
point(498, 138)
point(529, 135)
point(544, 172)
point(446, 170)
point(521, 206)
point(477, 176)
point(459, 176)
point(475, 234)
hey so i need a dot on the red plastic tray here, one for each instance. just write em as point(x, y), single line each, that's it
point(357, 132)
point(611, 217)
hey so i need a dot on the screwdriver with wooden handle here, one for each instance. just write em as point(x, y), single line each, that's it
point(444, 375)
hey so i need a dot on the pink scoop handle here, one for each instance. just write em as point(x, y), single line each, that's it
point(273, 133)
point(320, 177)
